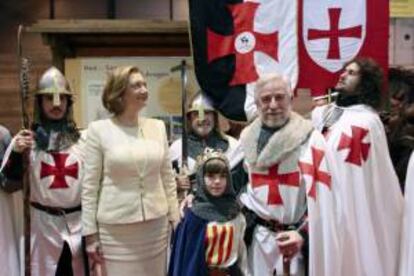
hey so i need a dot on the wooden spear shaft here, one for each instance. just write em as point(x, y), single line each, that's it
point(24, 91)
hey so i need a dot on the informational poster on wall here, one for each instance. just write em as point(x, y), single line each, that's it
point(88, 75)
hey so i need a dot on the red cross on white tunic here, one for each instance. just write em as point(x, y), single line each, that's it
point(59, 171)
point(243, 43)
point(358, 149)
point(313, 170)
point(334, 33)
point(273, 180)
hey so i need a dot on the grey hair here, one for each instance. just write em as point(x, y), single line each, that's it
point(267, 78)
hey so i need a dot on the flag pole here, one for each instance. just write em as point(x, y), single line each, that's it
point(182, 67)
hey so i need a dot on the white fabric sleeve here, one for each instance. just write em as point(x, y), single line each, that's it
point(242, 254)
point(91, 181)
point(168, 179)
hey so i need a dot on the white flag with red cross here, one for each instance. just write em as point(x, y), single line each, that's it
point(334, 32)
point(234, 42)
point(325, 252)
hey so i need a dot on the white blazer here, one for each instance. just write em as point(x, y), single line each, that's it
point(128, 175)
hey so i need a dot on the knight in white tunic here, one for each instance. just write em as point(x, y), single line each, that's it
point(371, 200)
point(204, 132)
point(276, 193)
point(56, 170)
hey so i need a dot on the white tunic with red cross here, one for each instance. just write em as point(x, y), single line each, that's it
point(57, 176)
point(56, 182)
point(277, 192)
point(276, 189)
point(370, 196)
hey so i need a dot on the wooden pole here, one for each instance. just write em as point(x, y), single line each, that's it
point(24, 91)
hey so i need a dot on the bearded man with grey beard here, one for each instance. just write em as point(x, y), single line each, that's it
point(275, 200)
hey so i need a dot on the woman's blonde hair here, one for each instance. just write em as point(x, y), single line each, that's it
point(115, 86)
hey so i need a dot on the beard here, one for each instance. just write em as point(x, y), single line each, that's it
point(349, 89)
point(203, 130)
point(273, 122)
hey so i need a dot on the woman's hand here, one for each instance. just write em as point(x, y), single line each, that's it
point(23, 140)
point(93, 249)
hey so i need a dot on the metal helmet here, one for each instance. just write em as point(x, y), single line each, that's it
point(53, 82)
point(200, 103)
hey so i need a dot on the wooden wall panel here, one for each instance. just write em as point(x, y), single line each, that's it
point(143, 9)
point(81, 9)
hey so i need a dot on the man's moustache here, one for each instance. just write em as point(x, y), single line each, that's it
point(202, 122)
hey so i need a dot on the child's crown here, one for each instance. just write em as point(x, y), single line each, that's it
point(210, 153)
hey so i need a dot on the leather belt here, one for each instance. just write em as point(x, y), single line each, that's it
point(55, 211)
point(274, 225)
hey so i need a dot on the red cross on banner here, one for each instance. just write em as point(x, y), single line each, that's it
point(272, 181)
point(313, 170)
point(243, 43)
point(358, 149)
point(59, 171)
point(334, 33)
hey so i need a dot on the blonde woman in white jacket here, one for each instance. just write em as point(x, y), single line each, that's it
point(129, 192)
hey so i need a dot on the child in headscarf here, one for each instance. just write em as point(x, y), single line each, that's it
point(209, 240)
